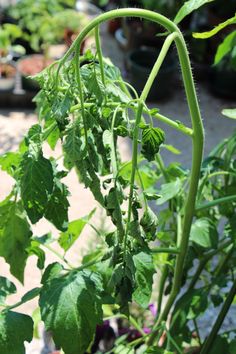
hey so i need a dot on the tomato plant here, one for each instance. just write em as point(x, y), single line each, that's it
point(86, 105)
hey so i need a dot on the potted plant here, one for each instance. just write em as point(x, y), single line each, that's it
point(50, 30)
point(8, 34)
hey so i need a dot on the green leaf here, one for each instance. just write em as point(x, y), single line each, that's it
point(15, 236)
point(144, 271)
point(9, 162)
point(71, 308)
point(225, 47)
point(216, 29)
point(149, 222)
point(230, 113)
point(36, 185)
point(52, 132)
point(67, 238)
point(152, 138)
point(169, 191)
point(73, 143)
point(57, 207)
point(95, 86)
point(6, 288)
point(31, 294)
point(220, 345)
point(15, 329)
point(232, 347)
point(189, 306)
point(204, 233)
point(188, 7)
point(34, 249)
point(117, 92)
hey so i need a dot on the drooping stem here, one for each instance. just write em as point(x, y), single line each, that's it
point(99, 52)
point(198, 141)
point(197, 135)
point(81, 95)
point(225, 308)
point(143, 98)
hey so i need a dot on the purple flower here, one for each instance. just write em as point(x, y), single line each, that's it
point(153, 309)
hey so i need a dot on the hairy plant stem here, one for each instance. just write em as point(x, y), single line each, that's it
point(99, 52)
point(224, 310)
point(143, 98)
point(81, 95)
point(198, 141)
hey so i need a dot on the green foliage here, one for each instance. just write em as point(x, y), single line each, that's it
point(216, 29)
point(15, 328)
point(144, 271)
point(6, 288)
point(15, 233)
point(71, 307)
point(152, 138)
point(75, 228)
point(43, 23)
point(8, 34)
point(230, 113)
point(188, 7)
point(204, 233)
point(85, 106)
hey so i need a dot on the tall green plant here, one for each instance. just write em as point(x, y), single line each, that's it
point(86, 105)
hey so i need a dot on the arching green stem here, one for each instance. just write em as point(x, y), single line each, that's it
point(169, 40)
point(99, 52)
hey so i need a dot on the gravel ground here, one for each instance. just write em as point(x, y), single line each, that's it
point(14, 124)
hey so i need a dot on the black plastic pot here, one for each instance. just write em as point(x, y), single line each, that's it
point(140, 63)
point(223, 82)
